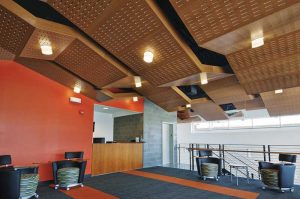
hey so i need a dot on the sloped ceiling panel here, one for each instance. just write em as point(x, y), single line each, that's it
point(207, 20)
point(165, 97)
point(209, 111)
point(275, 65)
point(57, 41)
point(226, 90)
point(85, 62)
point(14, 32)
point(253, 104)
point(286, 103)
point(54, 72)
point(127, 29)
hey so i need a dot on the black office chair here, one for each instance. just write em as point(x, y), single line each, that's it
point(207, 166)
point(9, 183)
point(72, 155)
point(5, 160)
point(69, 173)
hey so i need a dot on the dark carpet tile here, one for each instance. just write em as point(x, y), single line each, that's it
point(254, 186)
point(45, 192)
point(127, 186)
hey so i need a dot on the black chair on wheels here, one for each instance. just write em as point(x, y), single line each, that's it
point(17, 182)
point(279, 176)
point(70, 172)
point(207, 166)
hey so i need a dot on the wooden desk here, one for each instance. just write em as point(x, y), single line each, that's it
point(116, 157)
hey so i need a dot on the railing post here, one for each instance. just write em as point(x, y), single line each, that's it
point(179, 155)
point(220, 148)
point(193, 157)
point(223, 156)
point(190, 154)
point(264, 149)
point(269, 150)
point(207, 146)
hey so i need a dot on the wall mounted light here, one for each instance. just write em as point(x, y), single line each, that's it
point(75, 100)
point(137, 81)
point(77, 89)
point(278, 91)
point(135, 99)
point(188, 106)
point(203, 78)
point(148, 56)
point(105, 108)
point(46, 49)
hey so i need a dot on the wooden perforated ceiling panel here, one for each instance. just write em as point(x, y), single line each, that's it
point(58, 43)
point(128, 30)
point(273, 66)
point(5, 55)
point(286, 103)
point(253, 104)
point(209, 19)
point(164, 97)
point(54, 72)
point(14, 31)
point(209, 111)
point(83, 61)
point(226, 90)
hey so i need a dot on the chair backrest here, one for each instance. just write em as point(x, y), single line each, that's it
point(9, 183)
point(203, 153)
point(71, 155)
point(288, 158)
point(5, 160)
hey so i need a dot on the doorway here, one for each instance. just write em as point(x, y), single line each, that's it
point(167, 143)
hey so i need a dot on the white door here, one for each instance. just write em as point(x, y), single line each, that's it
point(167, 146)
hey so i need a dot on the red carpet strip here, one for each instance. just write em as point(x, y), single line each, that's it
point(87, 193)
point(197, 185)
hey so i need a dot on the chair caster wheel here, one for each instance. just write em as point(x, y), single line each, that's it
point(292, 190)
point(204, 178)
point(68, 189)
point(55, 188)
point(263, 188)
point(36, 196)
point(81, 185)
point(282, 191)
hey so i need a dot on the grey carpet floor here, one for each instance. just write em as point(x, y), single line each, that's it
point(126, 186)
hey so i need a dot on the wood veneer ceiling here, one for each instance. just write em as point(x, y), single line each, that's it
point(127, 29)
point(82, 60)
point(14, 32)
point(56, 73)
point(209, 111)
point(286, 103)
point(58, 42)
point(207, 20)
point(165, 97)
point(6, 55)
point(275, 65)
point(253, 104)
point(226, 90)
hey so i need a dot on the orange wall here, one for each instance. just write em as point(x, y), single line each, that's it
point(37, 121)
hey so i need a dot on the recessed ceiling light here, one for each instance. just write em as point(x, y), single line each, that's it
point(278, 91)
point(137, 81)
point(257, 42)
point(77, 89)
point(135, 99)
point(203, 78)
point(188, 105)
point(148, 56)
point(46, 49)
point(105, 108)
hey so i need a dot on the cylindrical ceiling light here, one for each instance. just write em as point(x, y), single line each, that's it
point(46, 49)
point(203, 78)
point(148, 56)
point(137, 81)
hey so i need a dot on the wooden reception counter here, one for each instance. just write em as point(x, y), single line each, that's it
point(116, 157)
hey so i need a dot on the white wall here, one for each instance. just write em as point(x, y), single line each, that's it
point(104, 125)
point(268, 136)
